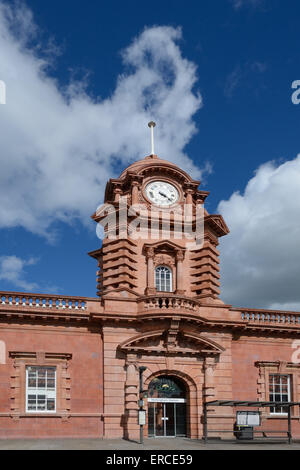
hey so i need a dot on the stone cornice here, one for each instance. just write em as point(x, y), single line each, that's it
point(33, 355)
point(77, 310)
point(158, 315)
point(278, 364)
point(217, 223)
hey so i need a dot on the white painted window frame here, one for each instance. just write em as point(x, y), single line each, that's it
point(280, 413)
point(159, 284)
point(44, 391)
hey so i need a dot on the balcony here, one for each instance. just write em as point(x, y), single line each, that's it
point(167, 301)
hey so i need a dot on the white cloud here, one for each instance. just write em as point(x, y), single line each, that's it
point(244, 75)
point(261, 256)
point(237, 4)
point(58, 148)
point(12, 271)
point(233, 81)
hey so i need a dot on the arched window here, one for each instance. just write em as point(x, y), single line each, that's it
point(163, 279)
point(166, 387)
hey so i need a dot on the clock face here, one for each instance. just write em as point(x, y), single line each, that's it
point(162, 193)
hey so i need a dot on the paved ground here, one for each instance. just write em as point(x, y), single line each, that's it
point(150, 444)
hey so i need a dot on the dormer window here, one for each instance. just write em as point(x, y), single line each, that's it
point(163, 279)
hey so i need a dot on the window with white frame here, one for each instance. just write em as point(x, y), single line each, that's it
point(279, 391)
point(163, 279)
point(40, 389)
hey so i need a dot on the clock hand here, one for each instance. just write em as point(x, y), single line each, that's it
point(163, 194)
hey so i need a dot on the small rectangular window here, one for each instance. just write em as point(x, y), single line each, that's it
point(279, 391)
point(40, 389)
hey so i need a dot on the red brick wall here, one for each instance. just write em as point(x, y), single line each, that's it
point(86, 382)
point(245, 353)
point(249, 384)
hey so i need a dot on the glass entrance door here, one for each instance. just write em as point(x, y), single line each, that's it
point(170, 419)
point(166, 419)
point(159, 419)
point(164, 422)
point(166, 407)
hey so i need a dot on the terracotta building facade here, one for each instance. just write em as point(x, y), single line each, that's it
point(70, 366)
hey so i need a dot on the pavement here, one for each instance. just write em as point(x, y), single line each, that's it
point(149, 444)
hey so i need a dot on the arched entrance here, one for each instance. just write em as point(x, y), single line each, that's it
point(166, 407)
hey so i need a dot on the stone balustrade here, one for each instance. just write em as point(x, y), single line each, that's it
point(168, 301)
point(270, 316)
point(41, 301)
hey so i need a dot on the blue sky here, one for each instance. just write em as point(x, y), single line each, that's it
point(231, 113)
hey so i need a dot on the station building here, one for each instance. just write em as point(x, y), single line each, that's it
point(70, 366)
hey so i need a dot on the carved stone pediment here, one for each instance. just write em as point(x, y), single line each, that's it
point(218, 223)
point(197, 343)
point(152, 341)
point(171, 341)
point(164, 246)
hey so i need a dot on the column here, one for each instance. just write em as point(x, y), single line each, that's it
point(179, 273)
point(209, 385)
point(135, 193)
point(150, 290)
point(131, 429)
point(117, 193)
point(189, 196)
point(131, 388)
point(225, 420)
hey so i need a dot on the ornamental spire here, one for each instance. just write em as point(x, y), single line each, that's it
point(152, 124)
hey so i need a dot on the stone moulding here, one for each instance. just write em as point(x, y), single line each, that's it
point(22, 359)
point(77, 310)
point(265, 368)
point(170, 340)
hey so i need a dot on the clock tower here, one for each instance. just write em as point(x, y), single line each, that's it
point(158, 278)
point(158, 237)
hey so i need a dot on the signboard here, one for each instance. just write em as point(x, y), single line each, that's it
point(166, 400)
point(248, 418)
point(142, 417)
